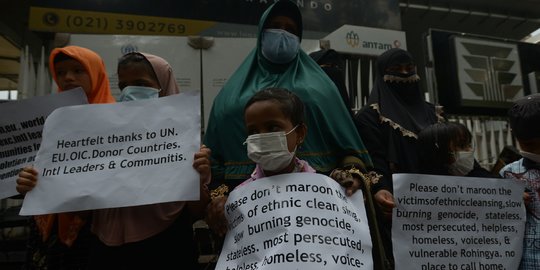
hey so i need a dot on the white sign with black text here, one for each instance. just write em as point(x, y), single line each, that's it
point(115, 155)
point(295, 221)
point(457, 223)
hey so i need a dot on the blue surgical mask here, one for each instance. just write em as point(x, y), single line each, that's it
point(279, 46)
point(138, 92)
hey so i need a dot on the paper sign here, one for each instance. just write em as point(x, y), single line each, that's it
point(295, 221)
point(115, 155)
point(21, 124)
point(451, 223)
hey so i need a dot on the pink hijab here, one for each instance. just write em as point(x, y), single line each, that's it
point(117, 226)
point(164, 74)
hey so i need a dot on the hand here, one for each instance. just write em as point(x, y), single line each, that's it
point(385, 200)
point(527, 198)
point(27, 179)
point(201, 163)
point(351, 182)
point(215, 216)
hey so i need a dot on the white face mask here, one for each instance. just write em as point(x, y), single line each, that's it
point(464, 163)
point(270, 150)
point(134, 92)
point(532, 156)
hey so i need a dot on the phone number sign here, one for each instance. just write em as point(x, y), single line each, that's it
point(76, 21)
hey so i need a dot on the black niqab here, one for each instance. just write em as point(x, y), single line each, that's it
point(401, 102)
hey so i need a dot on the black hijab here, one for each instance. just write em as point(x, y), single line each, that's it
point(333, 65)
point(401, 102)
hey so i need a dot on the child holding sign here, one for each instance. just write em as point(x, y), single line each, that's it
point(158, 232)
point(63, 239)
point(274, 119)
point(524, 117)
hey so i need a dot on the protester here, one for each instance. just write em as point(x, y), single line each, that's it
point(276, 128)
point(389, 125)
point(136, 70)
point(524, 118)
point(61, 241)
point(154, 233)
point(446, 149)
point(278, 61)
point(333, 65)
point(275, 123)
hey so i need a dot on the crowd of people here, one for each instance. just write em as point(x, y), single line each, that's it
point(293, 117)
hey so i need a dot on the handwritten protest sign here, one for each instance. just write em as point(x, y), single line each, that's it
point(451, 223)
point(115, 155)
point(295, 221)
point(21, 123)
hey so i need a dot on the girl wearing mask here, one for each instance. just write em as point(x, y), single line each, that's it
point(149, 236)
point(446, 149)
point(62, 240)
point(275, 124)
point(276, 127)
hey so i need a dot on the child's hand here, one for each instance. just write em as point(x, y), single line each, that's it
point(27, 180)
point(201, 163)
point(215, 216)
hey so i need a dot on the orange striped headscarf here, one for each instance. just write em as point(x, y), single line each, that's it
point(69, 224)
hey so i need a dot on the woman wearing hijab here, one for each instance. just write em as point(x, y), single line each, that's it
point(64, 238)
point(156, 236)
point(390, 122)
point(333, 65)
point(278, 61)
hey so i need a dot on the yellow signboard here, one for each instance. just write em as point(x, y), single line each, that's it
point(78, 21)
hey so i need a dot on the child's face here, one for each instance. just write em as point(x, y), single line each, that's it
point(458, 147)
point(72, 74)
point(266, 116)
point(136, 75)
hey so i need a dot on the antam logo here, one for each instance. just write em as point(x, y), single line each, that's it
point(352, 39)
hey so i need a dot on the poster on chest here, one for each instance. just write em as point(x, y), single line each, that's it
point(451, 223)
point(295, 221)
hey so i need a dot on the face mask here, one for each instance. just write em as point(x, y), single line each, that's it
point(279, 46)
point(270, 150)
point(464, 163)
point(532, 156)
point(138, 92)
